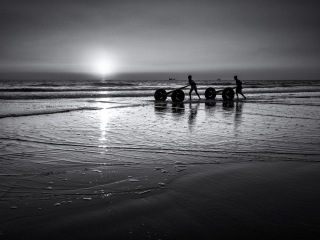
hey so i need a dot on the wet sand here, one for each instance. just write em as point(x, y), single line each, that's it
point(240, 201)
point(162, 171)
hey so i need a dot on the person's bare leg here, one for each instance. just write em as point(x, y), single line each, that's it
point(197, 93)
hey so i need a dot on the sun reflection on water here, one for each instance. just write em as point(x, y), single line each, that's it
point(106, 115)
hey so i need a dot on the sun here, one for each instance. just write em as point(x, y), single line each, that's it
point(100, 62)
point(103, 67)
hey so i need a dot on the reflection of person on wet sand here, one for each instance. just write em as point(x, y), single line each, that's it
point(238, 111)
point(238, 115)
point(193, 86)
point(193, 114)
point(239, 87)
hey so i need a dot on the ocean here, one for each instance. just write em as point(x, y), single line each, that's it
point(54, 96)
point(105, 152)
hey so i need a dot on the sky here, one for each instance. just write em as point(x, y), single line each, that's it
point(160, 39)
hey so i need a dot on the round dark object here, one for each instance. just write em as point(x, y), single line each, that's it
point(228, 94)
point(210, 93)
point(177, 95)
point(160, 95)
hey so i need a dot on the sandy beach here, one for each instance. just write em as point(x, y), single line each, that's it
point(148, 170)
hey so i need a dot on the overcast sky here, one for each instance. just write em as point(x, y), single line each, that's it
point(155, 39)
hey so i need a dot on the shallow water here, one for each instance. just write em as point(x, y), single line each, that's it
point(163, 133)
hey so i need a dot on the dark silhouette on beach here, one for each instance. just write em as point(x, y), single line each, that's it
point(193, 86)
point(239, 87)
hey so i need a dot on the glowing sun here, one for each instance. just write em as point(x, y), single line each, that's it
point(103, 67)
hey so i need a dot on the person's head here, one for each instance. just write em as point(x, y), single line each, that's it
point(189, 77)
point(235, 77)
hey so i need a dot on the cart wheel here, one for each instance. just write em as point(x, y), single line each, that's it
point(160, 95)
point(210, 93)
point(177, 95)
point(228, 94)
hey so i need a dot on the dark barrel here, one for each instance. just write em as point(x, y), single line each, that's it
point(160, 95)
point(210, 93)
point(177, 95)
point(228, 94)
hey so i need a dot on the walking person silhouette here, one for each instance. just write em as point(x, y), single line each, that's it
point(193, 87)
point(239, 87)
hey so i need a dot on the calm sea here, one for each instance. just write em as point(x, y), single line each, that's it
point(76, 94)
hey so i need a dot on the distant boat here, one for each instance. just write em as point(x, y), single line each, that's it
point(219, 79)
point(172, 79)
